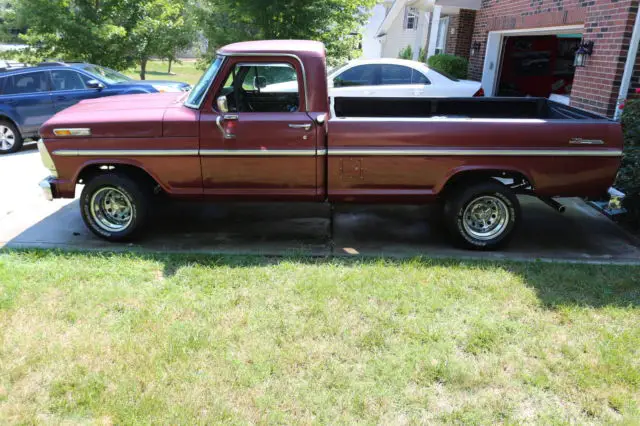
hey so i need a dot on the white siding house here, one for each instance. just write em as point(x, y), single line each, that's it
point(421, 24)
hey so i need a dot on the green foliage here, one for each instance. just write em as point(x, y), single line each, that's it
point(406, 53)
point(336, 23)
point(113, 33)
point(628, 180)
point(451, 65)
point(422, 55)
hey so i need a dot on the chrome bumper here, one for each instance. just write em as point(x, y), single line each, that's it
point(47, 189)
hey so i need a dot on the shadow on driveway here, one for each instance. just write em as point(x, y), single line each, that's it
point(582, 234)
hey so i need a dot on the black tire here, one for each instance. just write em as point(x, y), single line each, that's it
point(18, 139)
point(485, 195)
point(125, 189)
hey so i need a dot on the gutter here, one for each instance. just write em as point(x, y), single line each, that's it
point(628, 67)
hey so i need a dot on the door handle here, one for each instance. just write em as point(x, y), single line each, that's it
point(301, 126)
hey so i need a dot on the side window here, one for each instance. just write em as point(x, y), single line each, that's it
point(68, 80)
point(395, 74)
point(32, 82)
point(361, 75)
point(268, 87)
point(418, 78)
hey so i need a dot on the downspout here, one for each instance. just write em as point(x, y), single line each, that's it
point(628, 67)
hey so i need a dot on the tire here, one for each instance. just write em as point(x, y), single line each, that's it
point(114, 207)
point(482, 216)
point(10, 138)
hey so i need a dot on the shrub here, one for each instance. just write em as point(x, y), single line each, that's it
point(450, 65)
point(628, 180)
point(406, 53)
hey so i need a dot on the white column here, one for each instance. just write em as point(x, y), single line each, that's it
point(419, 42)
point(433, 35)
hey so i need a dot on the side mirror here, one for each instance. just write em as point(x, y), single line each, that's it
point(259, 82)
point(222, 104)
point(95, 84)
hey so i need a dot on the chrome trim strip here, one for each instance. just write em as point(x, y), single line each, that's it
point(476, 152)
point(322, 152)
point(125, 152)
point(580, 141)
point(258, 152)
point(286, 55)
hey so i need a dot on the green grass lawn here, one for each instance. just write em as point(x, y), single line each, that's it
point(157, 70)
point(126, 338)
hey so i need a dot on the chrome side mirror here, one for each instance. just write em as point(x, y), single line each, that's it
point(222, 104)
point(95, 84)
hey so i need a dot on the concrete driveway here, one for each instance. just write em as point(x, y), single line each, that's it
point(28, 221)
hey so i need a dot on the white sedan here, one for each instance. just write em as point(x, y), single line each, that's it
point(390, 78)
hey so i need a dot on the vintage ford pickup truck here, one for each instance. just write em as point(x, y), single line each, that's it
point(229, 140)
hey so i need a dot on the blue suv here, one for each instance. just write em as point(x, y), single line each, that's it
point(30, 96)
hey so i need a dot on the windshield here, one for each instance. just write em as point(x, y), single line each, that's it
point(337, 67)
point(199, 91)
point(106, 74)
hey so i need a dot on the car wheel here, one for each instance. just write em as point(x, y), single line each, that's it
point(10, 138)
point(114, 207)
point(482, 216)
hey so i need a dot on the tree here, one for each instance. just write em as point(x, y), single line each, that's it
point(336, 23)
point(113, 33)
point(161, 30)
point(96, 31)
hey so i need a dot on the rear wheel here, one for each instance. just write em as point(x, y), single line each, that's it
point(114, 207)
point(10, 138)
point(482, 216)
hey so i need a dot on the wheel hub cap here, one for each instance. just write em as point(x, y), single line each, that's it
point(7, 138)
point(111, 209)
point(486, 218)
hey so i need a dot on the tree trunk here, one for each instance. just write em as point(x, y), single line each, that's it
point(170, 61)
point(143, 68)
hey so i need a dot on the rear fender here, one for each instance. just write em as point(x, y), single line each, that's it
point(464, 173)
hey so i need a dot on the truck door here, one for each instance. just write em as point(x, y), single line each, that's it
point(257, 139)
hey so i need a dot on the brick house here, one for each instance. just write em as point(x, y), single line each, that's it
point(527, 47)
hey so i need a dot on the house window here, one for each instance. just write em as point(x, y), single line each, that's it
point(443, 29)
point(411, 16)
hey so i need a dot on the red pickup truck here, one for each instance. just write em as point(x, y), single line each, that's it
point(242, 133)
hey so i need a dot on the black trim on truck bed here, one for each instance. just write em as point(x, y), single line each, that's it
point(506, 108)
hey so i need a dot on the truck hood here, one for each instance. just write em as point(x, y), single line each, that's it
point(125, 116)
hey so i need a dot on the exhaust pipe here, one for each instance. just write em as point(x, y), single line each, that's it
point(553, 204)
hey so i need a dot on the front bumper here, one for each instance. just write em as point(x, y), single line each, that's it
point(48, 188)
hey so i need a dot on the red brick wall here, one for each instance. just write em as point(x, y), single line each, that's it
point(609, 23)
point(459, 43)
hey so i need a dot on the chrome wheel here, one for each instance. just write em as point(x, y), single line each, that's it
point(486, 218)
point(111, 209)
point(7, 138)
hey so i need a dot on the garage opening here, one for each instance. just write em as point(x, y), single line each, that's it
point(540, 65)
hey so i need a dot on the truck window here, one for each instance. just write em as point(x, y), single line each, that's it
point(268, 87)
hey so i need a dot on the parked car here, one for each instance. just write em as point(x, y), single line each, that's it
point(230, 140)
point(388, 78)
point(30, 96)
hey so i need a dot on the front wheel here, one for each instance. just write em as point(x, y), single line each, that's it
point(482, 216)
point(114, 207)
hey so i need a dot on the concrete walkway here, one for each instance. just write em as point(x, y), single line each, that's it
point(582, 234)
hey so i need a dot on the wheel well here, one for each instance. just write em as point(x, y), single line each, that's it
point(517, 181)
point(133, 172)
point(6, 118)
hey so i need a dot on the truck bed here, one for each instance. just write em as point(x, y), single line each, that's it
point(382, 149)
point(495, 108)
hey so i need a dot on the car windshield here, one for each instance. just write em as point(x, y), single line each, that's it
point(106, 74)
point(199, 91)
